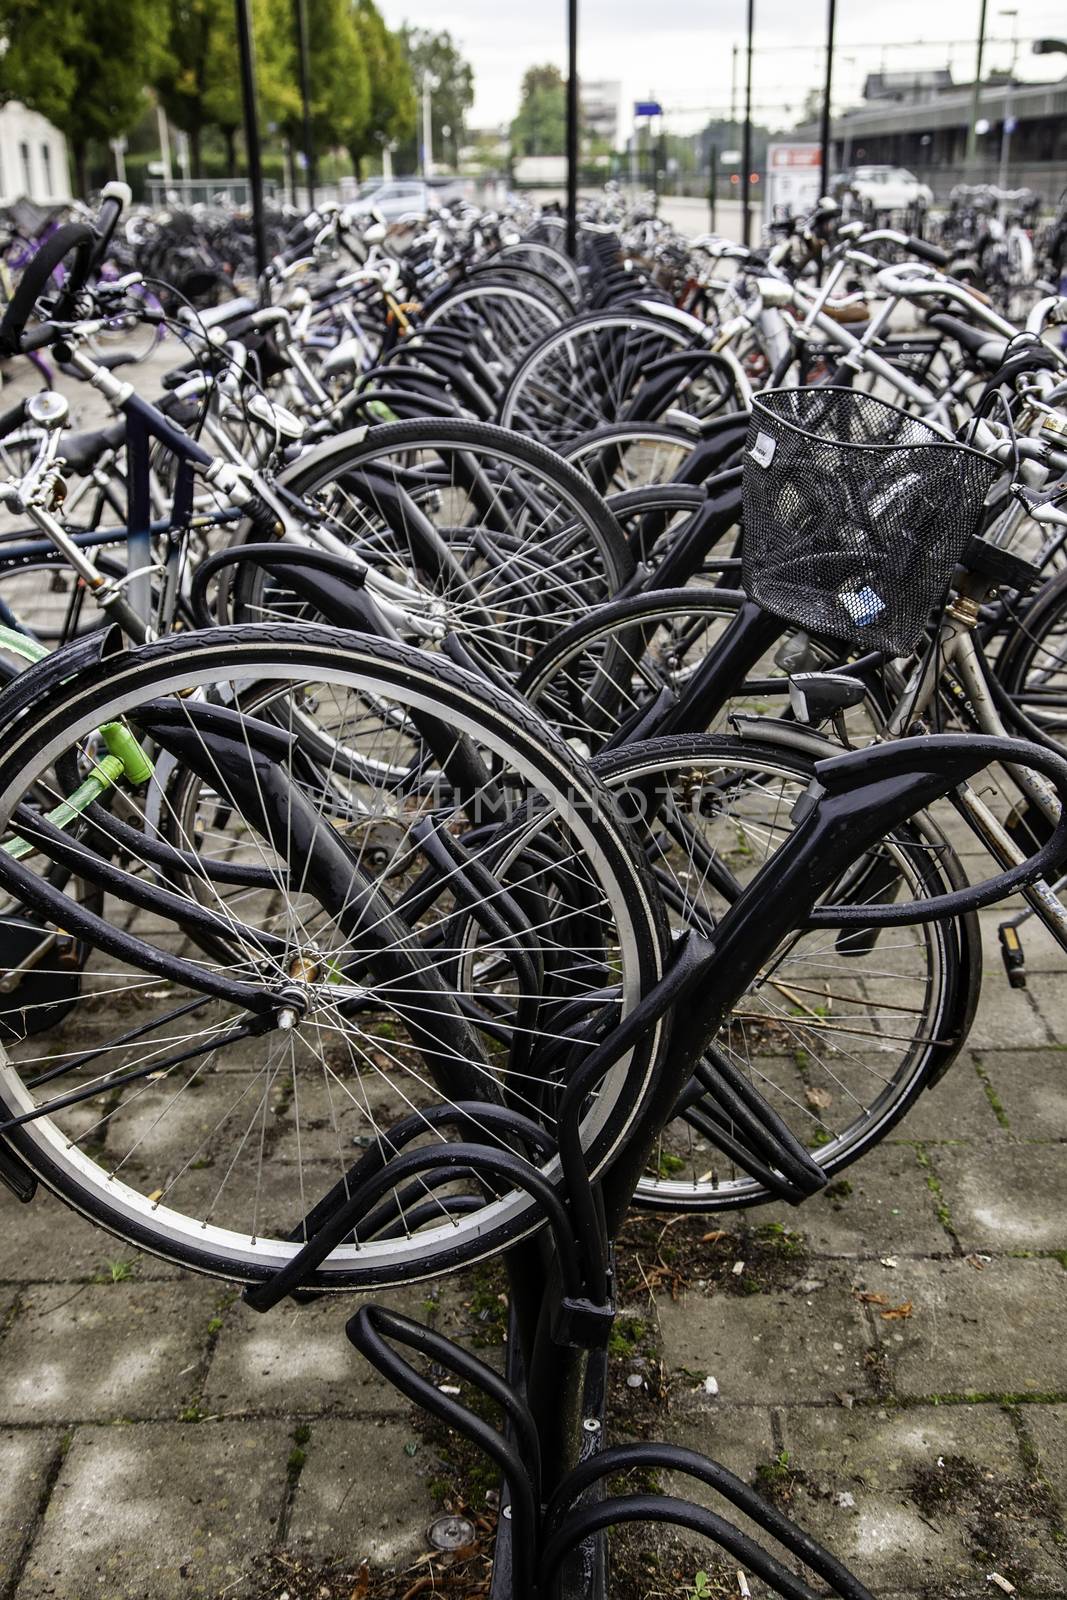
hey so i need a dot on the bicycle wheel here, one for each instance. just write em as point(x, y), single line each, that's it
point(177, 1106)
point(630, 455)
point(604, 675)
point(500, 321)
point(581, 375)
point(1032, 665)
point(507, 543)
point(839, 1032)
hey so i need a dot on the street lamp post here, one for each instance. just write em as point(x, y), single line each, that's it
point(246, 52)
point(572, 128)
point(746, 134)
point(824, 129)
point(305, 98)
point(429, 82)
point(1008, 126)
point(976, 92)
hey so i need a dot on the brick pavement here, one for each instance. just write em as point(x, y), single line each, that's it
point(158, 1439)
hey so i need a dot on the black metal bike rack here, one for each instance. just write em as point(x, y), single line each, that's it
point(552, 1448)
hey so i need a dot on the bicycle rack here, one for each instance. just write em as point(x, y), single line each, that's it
point(552, 1449)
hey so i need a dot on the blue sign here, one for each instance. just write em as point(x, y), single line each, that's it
point(647, 108)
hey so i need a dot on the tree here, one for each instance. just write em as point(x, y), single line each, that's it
point(197, 79)
point(339, 79)
point(540, 129)
point(391, 116)
point(83, 64)
point(436, 56)
point(276, 84)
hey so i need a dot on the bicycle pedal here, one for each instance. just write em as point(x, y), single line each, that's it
point(1013, 955)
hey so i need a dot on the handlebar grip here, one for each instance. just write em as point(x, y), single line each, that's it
point(114, 198)
point(73, 236)
point(928, 252)
point(12, 418)
point(298, 249)
point(1046, 862)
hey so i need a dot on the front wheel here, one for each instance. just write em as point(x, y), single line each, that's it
point(841, 1030)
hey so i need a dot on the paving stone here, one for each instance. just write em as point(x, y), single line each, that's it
point(1046, 1426)
point(956, 1108)
point(770, 1348)
point(362, 1495)
point(159, 1512)
point(25, 1460)
point(1031, 1087)
point(47, 1241)
point(298, 1358)
point(1050, 998)
point(101, 1352)
point(1013, 1019)
point(1007, 1199)
point(860, 1481)
point(879, 1205)
point(973, 1332)
point(737, 1437)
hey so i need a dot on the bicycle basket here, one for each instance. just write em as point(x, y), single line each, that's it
point(855, 514)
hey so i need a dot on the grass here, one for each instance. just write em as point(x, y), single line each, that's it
point(116, 1271)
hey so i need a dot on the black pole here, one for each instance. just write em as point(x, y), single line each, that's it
point(247, 52)
point(305, 98)
point(713, 184)
point(746, 135)
point(824, 131)
point(572, 128)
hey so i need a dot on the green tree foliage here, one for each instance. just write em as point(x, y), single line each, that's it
point(436, 55)
point(339, 79)
point(540, 129)
point(198, 81)
point(83, 64)
point(392, 93)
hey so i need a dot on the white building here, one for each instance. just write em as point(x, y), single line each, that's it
point(600, 109)
point(33, 158)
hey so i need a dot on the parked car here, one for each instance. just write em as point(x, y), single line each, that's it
point(392, 198)
point(886, 188)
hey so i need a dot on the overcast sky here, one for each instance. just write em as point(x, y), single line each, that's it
point(680, 50)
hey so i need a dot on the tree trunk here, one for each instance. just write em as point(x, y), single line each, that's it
point(230, 136)
point(290, 149)
point(194, 152)
point(81, 171)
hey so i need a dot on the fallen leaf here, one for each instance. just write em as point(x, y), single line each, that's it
point(713, 1237)
point(870, 1299)
point(897, 1313)
point(818, 1099)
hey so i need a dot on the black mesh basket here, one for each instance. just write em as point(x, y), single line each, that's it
point(855, 514)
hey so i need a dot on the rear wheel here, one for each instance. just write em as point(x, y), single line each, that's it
point(174, 1105)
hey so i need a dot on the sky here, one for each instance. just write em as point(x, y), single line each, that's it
point(680, 51)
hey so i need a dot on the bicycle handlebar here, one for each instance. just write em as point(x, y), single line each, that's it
point(928, 252)
point(73, 238)
point(114, 198)
point(965, 756)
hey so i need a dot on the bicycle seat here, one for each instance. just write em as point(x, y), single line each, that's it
point(986, 348)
